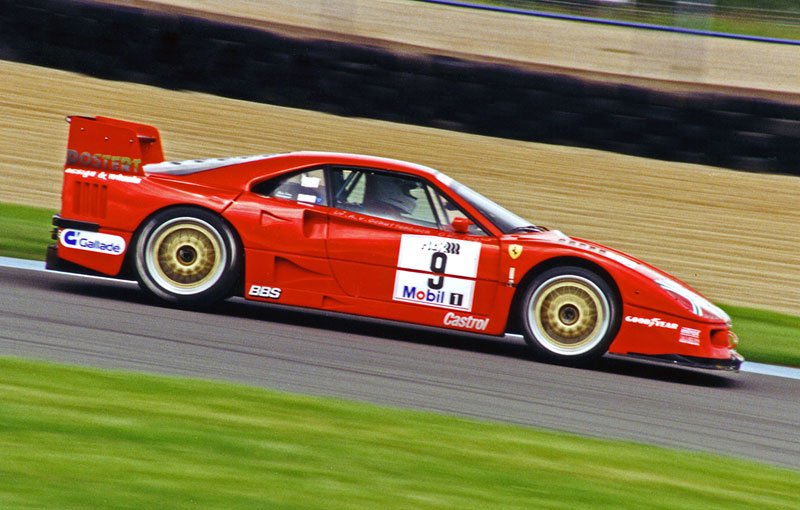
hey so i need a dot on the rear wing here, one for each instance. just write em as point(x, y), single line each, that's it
point(112, 145)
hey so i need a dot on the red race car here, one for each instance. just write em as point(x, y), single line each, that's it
point(365, 236)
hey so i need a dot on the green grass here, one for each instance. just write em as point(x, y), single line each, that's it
point(765, 337)
point(85, 438)
point(25, 231)
point(729, 16)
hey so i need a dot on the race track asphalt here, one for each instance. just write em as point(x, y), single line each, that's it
point(110, 324)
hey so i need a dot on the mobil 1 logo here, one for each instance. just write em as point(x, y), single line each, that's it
point(436, 271)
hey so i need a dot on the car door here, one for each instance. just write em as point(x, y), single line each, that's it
point(398, 254)
point(284, 225)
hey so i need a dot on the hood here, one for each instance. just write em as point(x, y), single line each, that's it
point(690, 299)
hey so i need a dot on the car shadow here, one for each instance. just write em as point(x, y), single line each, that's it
point(503, 347)
point(482, 344)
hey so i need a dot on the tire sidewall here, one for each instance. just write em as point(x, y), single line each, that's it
point(614, 307)
point(230, 271)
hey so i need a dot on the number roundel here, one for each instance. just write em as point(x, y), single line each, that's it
point(437, 271)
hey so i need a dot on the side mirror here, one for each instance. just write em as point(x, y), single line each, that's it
point(461, 225)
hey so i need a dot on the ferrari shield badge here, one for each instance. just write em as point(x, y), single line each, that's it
point(514, 251)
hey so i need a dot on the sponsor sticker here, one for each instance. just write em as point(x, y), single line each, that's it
point(439, 255)
point(92, 241)
point(440, 291)
point(689, 336)
point(103, 161)
point(104, 176)
point(653, 322)
point(304, 197)
point(263, 291)
point(465, 321)
point(308, 181)
point(436, 271)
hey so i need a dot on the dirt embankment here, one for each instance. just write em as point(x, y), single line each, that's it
point(731, 234)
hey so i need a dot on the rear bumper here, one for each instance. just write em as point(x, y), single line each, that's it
point(731, 364)
point(54, 263)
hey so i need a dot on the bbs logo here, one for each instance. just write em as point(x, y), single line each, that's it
point(265, 292)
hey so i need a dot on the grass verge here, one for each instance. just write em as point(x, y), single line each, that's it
point(776, 18)
point(765, 337)
point(86, 438)
point(25, 231)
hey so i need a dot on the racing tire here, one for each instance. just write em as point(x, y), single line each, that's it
point(569, 315)
point(187, 257)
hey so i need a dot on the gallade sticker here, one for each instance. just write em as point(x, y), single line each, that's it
point(92, 241)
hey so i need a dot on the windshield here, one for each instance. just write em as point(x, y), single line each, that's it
point(501, 217)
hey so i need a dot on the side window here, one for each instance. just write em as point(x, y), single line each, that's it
point(384, 195)
point(447, 211)
point(307, 187)
point(393, 196)
point(348, 189)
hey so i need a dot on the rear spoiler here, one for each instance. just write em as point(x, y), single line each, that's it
point(112, 145)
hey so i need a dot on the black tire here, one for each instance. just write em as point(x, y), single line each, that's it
point(187, 257)
point(569, 315)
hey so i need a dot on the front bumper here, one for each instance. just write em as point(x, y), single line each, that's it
point(731, 364)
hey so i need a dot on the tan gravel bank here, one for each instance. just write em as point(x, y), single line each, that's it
point(732, 234)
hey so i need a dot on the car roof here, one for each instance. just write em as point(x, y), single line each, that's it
point(244, 169)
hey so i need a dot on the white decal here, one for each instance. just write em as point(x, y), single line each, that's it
point(690, 336)
point(130, 179)
point(465, 321)
point(302, 197)
point(104, 176)
point(434, 290)
point(654, 322)
point(307, 181)
point(264, 292)
point(92, 241)
point(439, 255)
point(439, 259)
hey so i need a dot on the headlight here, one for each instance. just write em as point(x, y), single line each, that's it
point(692, 301)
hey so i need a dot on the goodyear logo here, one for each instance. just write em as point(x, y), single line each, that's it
point(92, 241)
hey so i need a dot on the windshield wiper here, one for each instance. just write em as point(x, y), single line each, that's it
point(527, 228)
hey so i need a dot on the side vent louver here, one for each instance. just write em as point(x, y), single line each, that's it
point(90, 199)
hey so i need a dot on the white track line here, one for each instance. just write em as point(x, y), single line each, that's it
point(747, 366)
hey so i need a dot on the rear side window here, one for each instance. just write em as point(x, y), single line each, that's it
point(307, 187)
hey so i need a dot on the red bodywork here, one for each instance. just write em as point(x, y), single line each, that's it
point(343, 261)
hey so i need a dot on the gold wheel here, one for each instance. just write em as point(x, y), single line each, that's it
point(568, 315)
point(185, 256)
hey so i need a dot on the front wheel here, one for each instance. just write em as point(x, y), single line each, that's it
point(569, 315)
point(187, 257)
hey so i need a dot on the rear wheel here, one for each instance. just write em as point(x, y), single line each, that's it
point(188, 257)
point(569, 315)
